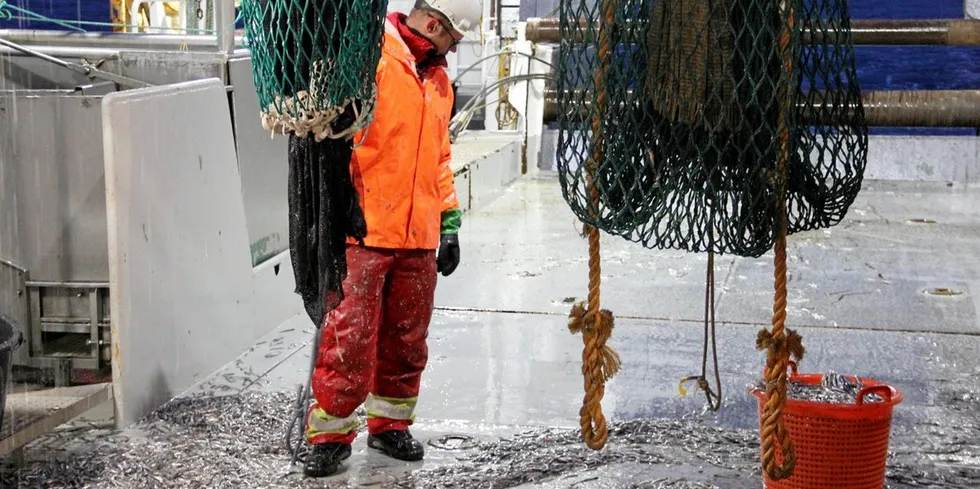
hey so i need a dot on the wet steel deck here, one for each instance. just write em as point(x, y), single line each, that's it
point(502, 360)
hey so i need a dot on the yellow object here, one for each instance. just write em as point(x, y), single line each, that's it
point(120, 15)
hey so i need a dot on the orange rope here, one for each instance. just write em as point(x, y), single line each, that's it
point(779, 343)
point(773, 428)
point(599, 361)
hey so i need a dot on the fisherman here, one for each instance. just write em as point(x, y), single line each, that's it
point(373, 348)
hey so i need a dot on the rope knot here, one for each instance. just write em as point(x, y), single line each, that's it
point(790, 345)
point(5, 13)
point(714, 399)
point(794, 343)
point(596, 330)
point(763, 340)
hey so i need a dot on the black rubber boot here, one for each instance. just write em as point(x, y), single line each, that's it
point(397, 444)
point(324, 459)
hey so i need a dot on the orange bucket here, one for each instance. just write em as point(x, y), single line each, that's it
point(837, 445)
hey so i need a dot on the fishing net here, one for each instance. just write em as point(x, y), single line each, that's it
point(685, 124)
point(323, 212)
point(314, 64)
point(311, 60)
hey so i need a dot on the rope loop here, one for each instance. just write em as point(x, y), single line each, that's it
point(599, 364)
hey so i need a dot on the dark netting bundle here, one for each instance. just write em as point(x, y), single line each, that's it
point(684, 112)
point(323, 212)
point(314, 64)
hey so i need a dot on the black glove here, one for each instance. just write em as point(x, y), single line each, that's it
point(448, 254)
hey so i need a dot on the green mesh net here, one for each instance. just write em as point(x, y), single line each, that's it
point(688, 124)
point(314, 60)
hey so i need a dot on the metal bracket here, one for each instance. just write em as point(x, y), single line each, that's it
point(86, 69)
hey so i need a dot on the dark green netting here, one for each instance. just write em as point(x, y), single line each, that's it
point(312, 59)
point(323, 212)
point(314, 64)
point(685, 119)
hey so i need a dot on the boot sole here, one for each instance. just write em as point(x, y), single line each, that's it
point(381, 448)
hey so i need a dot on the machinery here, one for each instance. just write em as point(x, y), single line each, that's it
point(54, 276)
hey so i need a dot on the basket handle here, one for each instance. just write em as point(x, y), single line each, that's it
point(884, 390)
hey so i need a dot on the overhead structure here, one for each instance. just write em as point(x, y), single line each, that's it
point(882, 108)
point(869, 32)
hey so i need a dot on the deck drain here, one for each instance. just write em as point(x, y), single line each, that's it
point(921, 221)
point(942, 291)
point(453, 442)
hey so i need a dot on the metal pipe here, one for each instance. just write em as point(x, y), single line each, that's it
point(924, 108)
point(952, 32)
point(887, 108)
point(45, 57)
point(86, 70)
point(224, 24)
point(67, 52)
point(19, 268)
point(68, 285)
point(116, 39)
point(542, 30)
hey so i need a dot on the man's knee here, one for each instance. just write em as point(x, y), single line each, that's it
point(339, 395)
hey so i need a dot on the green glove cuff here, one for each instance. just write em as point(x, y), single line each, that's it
point(452, 219)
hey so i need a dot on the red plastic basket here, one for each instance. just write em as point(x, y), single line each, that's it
point(836, 445)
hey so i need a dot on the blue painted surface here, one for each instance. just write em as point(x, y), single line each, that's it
point(879, 68)
point(63, 10)
point(915, 67)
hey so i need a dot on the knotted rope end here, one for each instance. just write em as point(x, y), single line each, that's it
point(791, 344)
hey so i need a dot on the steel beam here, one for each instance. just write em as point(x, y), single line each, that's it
point(120, 40)
point(224, 24)
point(952, 32)
point(898, 108)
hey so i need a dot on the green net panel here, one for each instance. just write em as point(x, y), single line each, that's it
point(314, 60)
point(677, 106)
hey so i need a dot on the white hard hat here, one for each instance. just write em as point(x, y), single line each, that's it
point(464, 15)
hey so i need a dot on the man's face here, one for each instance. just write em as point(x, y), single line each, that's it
point(442, 34)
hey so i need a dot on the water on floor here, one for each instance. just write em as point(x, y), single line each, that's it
point(889, 294)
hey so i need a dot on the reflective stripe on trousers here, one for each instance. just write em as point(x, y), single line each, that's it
point(382, 411)
point(390, 407)
point(320, 423)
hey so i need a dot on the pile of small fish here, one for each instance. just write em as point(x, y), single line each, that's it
point(238, 441)
point(215, 442)
point(833, 388)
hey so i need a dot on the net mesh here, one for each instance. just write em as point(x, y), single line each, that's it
point(311, 60)
point(323, 212)
point(313, 64)
point(684, 123)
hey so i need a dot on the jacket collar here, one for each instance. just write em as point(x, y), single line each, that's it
point(400, 49)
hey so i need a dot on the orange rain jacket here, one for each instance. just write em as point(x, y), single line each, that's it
point(401, 168)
